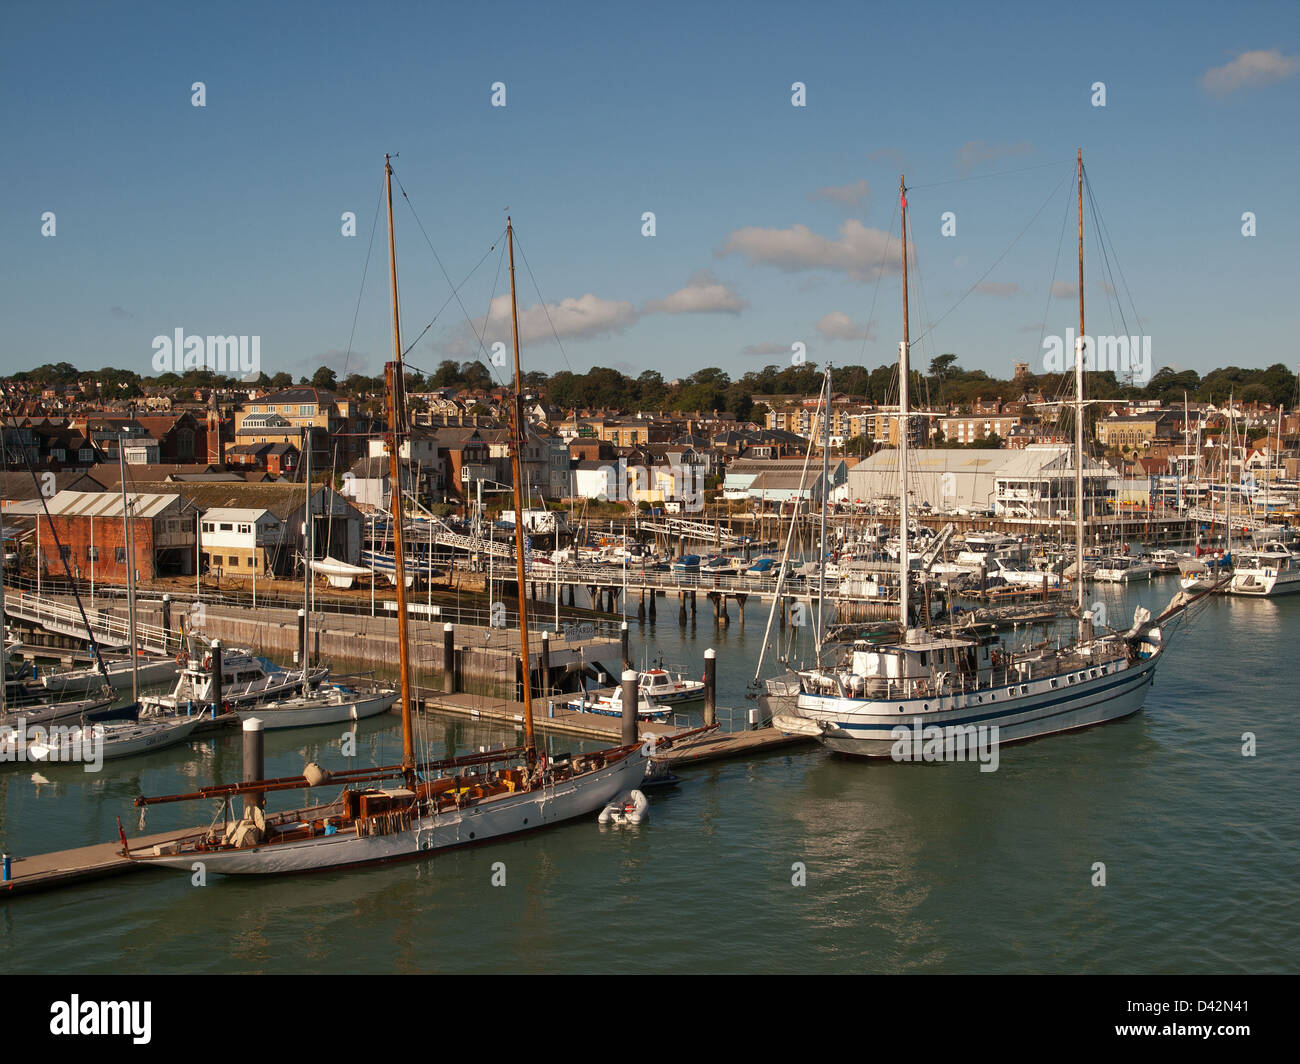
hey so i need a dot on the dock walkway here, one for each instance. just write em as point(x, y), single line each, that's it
point(66, 868)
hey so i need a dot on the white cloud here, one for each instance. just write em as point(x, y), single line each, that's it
point(703, 294)
point(974, 152)
point(578, 319)
point(860, 252)
point(845, 195)
point(996, 288)
point(839, 326)
point(1248, 70)
point(1064, 290)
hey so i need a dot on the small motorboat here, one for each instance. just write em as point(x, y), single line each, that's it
point(609, 703)
point(630, 808)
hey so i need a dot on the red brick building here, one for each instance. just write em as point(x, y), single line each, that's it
point(90, 533)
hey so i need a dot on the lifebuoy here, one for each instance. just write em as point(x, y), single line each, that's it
point(207, 661)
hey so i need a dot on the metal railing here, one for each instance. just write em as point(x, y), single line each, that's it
point(21, 601)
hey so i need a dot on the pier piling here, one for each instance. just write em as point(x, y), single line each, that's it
point(254, 763)
point(545, 677)
point(629, 707)
point(710, 685)
point(449, 658)
point(217, 679)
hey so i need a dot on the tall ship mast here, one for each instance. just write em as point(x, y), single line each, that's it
point(415, 808)
point(933, 690)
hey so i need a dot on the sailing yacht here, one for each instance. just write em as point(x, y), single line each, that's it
point(426, 807)
point(875, 694)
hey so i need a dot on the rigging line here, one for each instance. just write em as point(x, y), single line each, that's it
point(59, 546)
point(1102, 228)
point(496, 281)
point(982, 177)
point(542, 301)
point(453, 296)
point(1104, 231)
point(996, 262)
point(875, 294)
point(364, 271)
point(1111, 304)
point(437, 258)
point(1047, 306)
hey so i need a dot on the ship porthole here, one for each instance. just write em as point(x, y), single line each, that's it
point(471, 834)
point(525, 820)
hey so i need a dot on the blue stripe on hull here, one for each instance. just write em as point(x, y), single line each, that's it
point(876, 739)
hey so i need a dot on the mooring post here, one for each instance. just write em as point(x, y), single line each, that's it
point(254, 757)
point(640, 609)
point(681, 608)
point(300, 655)
point(624, 638)
point(217, 679)
point(653, 596)
point(166, 619)
point(545, 678)
point(629, 707)
point(448, 658)
point(710, 686)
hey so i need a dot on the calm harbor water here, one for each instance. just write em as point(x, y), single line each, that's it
point(909, 868)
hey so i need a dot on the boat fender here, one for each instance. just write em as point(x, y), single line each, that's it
point(315, 775)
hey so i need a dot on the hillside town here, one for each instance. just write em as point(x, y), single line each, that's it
point(230, 452)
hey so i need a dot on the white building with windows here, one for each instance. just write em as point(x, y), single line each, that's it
point(238, 541)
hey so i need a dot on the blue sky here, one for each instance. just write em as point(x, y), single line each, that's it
point(226, 218)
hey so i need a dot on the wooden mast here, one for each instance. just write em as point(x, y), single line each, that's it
point(519, 434)
point(904, 375)
point(128, 535)
point(1078, 421)
point(393, 381)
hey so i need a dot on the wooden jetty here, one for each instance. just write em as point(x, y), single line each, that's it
point(66, 868)
point(84, 864)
